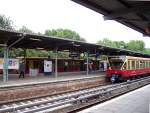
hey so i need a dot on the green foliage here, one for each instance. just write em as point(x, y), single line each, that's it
point(6, 23)
point(103, 57)
point(16, 52)
point(147, 50)
point(136, 45)
point(120, 44)
point(24, 29)
point(64, 33)
point(36, 53)
point(115, 44)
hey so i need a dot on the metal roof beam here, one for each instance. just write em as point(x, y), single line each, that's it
point(93, 6)
point(125, 11)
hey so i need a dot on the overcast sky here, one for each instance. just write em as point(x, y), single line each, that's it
point(39, 15)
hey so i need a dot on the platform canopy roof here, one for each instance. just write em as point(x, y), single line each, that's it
point(34, 41)
point(132, 13)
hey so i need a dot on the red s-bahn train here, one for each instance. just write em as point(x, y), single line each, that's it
point(122, 68)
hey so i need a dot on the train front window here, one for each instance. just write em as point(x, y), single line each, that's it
point(115, 63)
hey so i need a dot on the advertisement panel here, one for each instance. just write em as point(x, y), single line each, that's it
point(47, 66)
point(12, 63)
point(1, 63)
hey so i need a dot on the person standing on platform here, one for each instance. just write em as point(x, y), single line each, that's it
point(21, 69)
point(90, 67)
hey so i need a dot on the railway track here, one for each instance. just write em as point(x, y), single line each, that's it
point(69, 102)
point(30, 91)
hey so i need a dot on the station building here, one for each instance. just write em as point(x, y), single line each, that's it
point(36, 64)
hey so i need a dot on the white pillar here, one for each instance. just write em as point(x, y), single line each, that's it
point(87, 65)
point(5, 65)
point(56, 63)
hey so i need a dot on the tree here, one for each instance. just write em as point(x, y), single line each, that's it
point(105, 42)
point(147, 50)
point(136, 45)
point(64, 33)
point(120, 44)
point(6, 23)
point(24, 29)
point(115, 44)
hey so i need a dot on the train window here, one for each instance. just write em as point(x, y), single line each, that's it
point(146, 64)
point(132, 64)
point(141, 64)
point(116, 63)
point(129, 65)
point(137, 64)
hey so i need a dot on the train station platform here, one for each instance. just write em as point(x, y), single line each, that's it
point(31, 80)
point(137, 101)
point(30, 87)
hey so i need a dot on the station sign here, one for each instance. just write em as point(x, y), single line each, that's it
point(74, 55)
point(94, 55)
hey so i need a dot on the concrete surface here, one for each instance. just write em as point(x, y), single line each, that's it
point(137, 101)
point(15, 81)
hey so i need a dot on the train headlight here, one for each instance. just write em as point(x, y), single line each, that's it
point(113, 78)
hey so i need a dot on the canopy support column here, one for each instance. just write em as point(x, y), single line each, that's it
point(6, 51)
point(5, 65)
point(87, 64)
point(56, 63)
point(25, 54)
